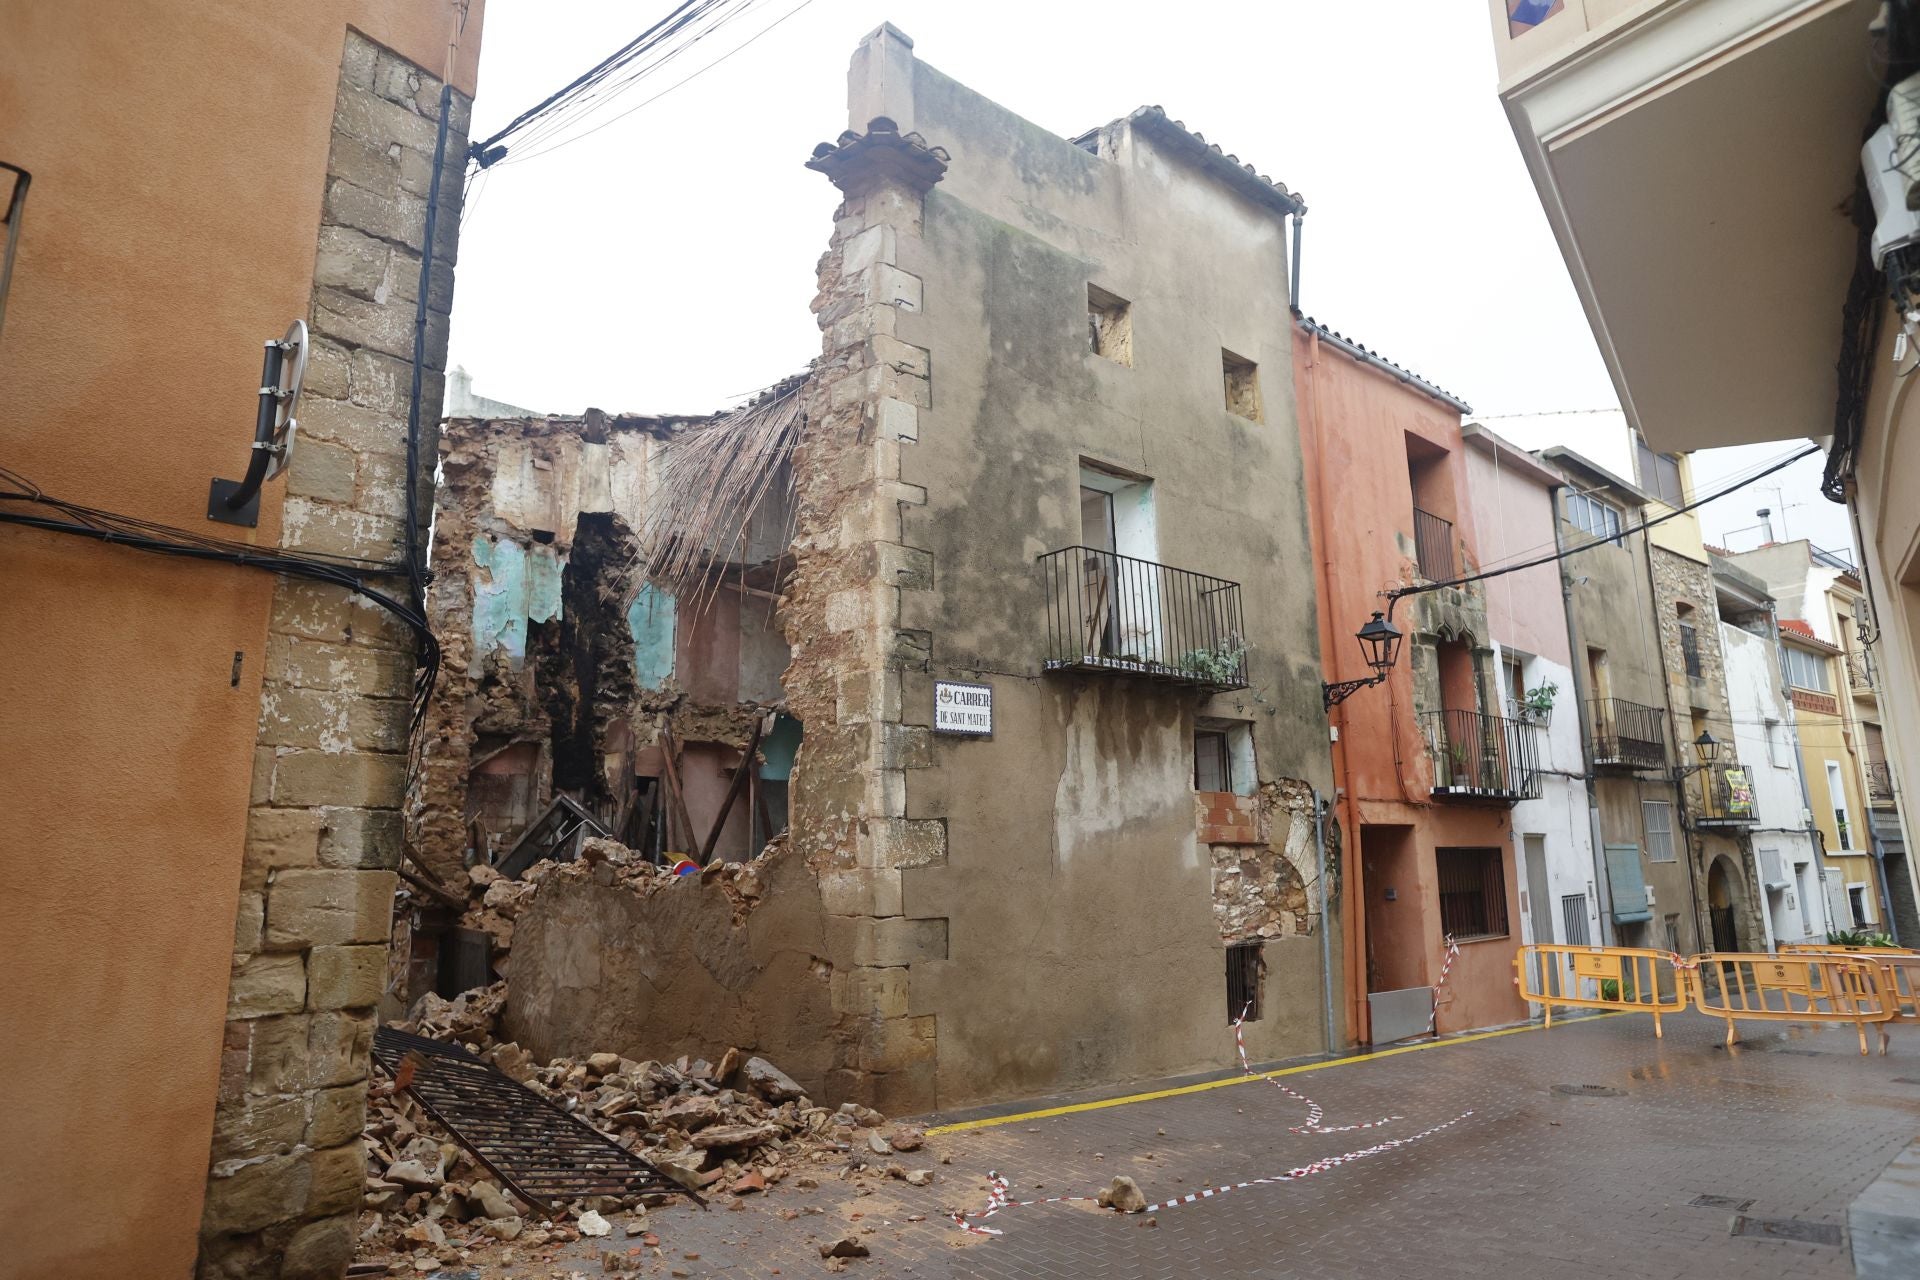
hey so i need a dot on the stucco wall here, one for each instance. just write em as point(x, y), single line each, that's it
point(1754, 697)
point(161, 245)
point(1070, 834)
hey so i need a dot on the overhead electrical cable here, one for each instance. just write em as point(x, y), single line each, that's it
point(1396, 594)
point(579, 95)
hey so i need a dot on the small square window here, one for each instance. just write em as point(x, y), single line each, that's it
point(1212, 761)
point(1473, 892)
point(1242, 379)
point(1223, 756)
point(1110, 325)
point(1244, 969)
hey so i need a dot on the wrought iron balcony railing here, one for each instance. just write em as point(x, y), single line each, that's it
point(1478, 757)
point(1627, 734)
point(1723, 797)
point(1113, 613)
point(1879, 782)
point(1433, 546)
point(1859, 666)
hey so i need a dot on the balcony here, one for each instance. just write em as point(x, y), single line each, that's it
point(1115, 614)
point(1610, 100)
point(1433, 546)
point(1860, 673)
point(1879, 782)
point(1723, 797)
point(1627, 734)
point(1482, 758)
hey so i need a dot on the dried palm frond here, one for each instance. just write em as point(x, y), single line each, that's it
point(711, 481)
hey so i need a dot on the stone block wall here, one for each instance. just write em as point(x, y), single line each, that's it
point(1678, 580)
point(841, 615)
point(330, 761)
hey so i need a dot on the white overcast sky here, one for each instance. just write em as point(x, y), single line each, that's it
point(665, 262)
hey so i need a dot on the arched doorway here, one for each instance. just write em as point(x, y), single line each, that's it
point(1722, 899)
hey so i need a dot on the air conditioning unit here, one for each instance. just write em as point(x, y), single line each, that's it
point(1884, 161)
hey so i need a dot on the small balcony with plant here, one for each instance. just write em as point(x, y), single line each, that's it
point(1118, 615)
point(1483, 759)
point(1879, 783)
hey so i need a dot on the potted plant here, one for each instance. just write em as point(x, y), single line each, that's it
point(1537, 706)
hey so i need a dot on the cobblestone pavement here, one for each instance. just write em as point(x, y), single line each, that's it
point(1534, 1183)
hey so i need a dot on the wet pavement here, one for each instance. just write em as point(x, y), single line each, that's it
point(1653, 1158)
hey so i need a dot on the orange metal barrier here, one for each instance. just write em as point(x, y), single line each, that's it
point(1802, 987)
point(1899, 972)
point(1620, 979)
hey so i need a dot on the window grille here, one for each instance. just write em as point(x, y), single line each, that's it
point(1573, 919)
point(1690, 649)
point(1473, 893)
point(1244, 967)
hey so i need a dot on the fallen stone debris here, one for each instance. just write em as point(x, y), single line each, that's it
point(734, 1128)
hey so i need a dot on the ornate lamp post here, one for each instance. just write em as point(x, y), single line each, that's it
point(1380, 641)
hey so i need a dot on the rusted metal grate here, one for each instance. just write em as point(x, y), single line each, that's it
point(1589, 1091)
point(539, 1152)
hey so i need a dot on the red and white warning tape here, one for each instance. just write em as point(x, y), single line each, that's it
point(1314, 1113)
point(1446, 967)
point(999, 1192)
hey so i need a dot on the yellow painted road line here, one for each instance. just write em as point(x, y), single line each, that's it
point(1073, 1108)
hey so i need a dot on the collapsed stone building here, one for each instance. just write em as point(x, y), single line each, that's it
point(990, 641)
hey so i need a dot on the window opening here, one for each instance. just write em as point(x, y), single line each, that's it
point(1806, 670)
point(1110, 325)
point(1212, 761)
point(1659, 474)
point(1656, 819)
point(1242, 379)
point(1473, 893)
point(1244, 969)
point(1594, 517)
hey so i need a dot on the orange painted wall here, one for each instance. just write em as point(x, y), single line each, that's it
point(178, 153)
point(1354, 424)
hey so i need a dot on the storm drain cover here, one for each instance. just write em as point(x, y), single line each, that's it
point(1906, 1079)
point(1720, 1202)
point(1589, 1091)
point(1787, 1229)
point(1799, 1053)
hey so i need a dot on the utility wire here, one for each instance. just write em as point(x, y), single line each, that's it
point(547, 150)
point(1395, 595)
point(77, 520)
point(570, 95)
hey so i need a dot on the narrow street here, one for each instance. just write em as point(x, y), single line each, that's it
point(1790, 1125)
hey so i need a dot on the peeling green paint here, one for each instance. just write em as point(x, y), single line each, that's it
point(499, 600)
point(650, 621)
point(546, 570)
point(779, 748)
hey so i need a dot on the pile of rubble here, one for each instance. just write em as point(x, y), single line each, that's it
point(495, 902)
point(737, 1127)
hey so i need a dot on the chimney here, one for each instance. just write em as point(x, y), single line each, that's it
point(1766, 524)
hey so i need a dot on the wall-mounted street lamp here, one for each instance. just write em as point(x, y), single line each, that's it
point(1380, 641)
point(1706, 754)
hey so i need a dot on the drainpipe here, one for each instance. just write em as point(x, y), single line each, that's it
point(1353, 881)
point(1597, 849)
point(1293, 276)
point(1326, 918)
